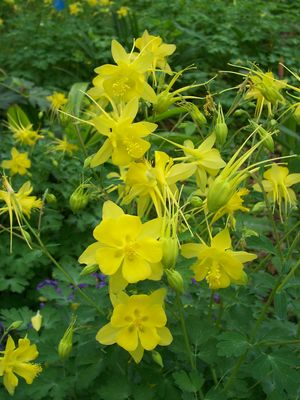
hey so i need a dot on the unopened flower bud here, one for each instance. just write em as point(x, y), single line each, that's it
point(170, 251)
point(87, 161)
point(51, 198)
point(36, 321)
point(219, 194)
point(26, 236)
point(157, 358)
point(89, 269)
point(66, 343)
point(221, 132)
point(175, 280)
point(78, 200)
point(271, 94)
point(196, 201)
point(258, 207)
point(15, 325)
point(268, 140)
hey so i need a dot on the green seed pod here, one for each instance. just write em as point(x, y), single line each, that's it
point(268, 140)
point(221, 132)
point(297, 114)
point(175, 280)
point(89, 269)
point(197, 115)
point(218, 194)
point(26, 236)
point(66, 343)
point(78, 200)
point(157, 358)
point(170, 251)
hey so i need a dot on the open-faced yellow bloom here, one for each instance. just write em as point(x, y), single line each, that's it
point(18, 164)
point(64, 146)
point(124, 141)
point(125, 244)
point(75, 8)
point(16, 361)
point(123, 12)
point(24, 134)
point(137, 324)
point(218, 263)
point(126, 80)
point(277, 184)
point(57, 100)
point(160, 51)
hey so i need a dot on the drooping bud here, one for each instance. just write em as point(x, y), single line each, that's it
point(89, 269)
point(265, 135)
point(175, 280)
point(87, 161)
point(197, 115)
point(196, 201)
point(218, 194)
point(157, 358)
point(221, 129)
point(66, 343)
point(36, 321)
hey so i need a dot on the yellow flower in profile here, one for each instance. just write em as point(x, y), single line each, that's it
point(75, 8)
point(265, 88)
point(235, 203)
point(57, 100)
point(16, 361)
point(137, 324)
point(124, 244)
point(218, 263)
point(124, 141)
point(123, 12)
point(158, 50)
point(18, 164)
point(126, 80)
point(277, 184)
point(145, 182)
point(64, 146)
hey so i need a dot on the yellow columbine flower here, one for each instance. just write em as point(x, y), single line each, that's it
point(158, 50)
point(277, 184)
point(217, 263)
point(16, 361)
point(18, 203)
point(18, 164)
point(203, 160)
point(64, 146)
point(265, 89)
point(92, 3)
point(126, 80)
point(75, 8)
point(57, 100)
point(137, 324)
point(24, 134)
point(123, 12)
point(125, 245)
point(105, 2)
point(125, 139)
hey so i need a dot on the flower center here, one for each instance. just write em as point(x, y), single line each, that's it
point(120, 87)
point(130, 249)
point(213, 276)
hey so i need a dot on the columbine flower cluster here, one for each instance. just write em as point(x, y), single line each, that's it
point(129, 250)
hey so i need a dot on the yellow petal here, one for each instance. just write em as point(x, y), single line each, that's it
point(158, 296)
point(136, 269)
point(128, 338)
point(292, 179)
point(118, 52)
point(107, 334)
point(103, 154)
point(111, 210)
point(151, 229)
point(137, 354)
point(10, 382)
point(150, 250)
point(148, 337)
point(190, 250)
point(156, 316)
point(109, 259)
point(165, 336)
point(222, 240)
point(180, 172)
point(27, 371)
point(89, 255)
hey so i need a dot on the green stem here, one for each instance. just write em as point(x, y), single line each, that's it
point(185, 333)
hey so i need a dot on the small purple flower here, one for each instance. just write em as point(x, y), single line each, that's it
point(47, 282)
point(217, 298)
point(100, 280)
point(194, 282)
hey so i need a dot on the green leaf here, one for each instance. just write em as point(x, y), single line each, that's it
point(188, 382)
point(232, 344)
